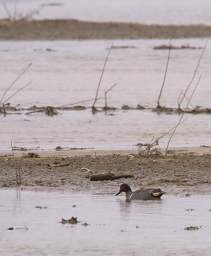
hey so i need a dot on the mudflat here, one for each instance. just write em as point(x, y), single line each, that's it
point(176, 173)
point(81, 30)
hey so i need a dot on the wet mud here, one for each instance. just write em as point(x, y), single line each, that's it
point(181, 172)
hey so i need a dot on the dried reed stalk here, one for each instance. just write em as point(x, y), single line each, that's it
point(101, 78)
point(165, 74)
point(193, 76)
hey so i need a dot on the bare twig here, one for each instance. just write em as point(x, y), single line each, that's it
point(106, 93)
point(16, 15)
point(173, 132)
point(19, 177)
point(79, 102)
point(194, 90)
point(179, 98)
point(16, 92)
point(7, 11)
point(100, 80)
point(193, 76)
point(184, 95)
point(11, 145)
point(182, 116)
point(15, 9)
point(165, 74)
point(13, 83)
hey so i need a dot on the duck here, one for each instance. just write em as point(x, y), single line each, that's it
point(141, 194)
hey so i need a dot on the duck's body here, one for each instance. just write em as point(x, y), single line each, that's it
point(141, 194)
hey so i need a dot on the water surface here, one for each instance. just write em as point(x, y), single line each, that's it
point(116, 227)
point(65, 72)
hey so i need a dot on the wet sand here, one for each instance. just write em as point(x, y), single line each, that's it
point(179, 172)
point(76, 29)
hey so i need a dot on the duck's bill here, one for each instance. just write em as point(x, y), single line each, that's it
point(117, 193)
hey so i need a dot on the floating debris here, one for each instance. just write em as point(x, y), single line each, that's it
point(78, 107)
point(205, 146)
point(18, 228)
point(72, 220)
point(50, 111)
point(41, 207)
point(14, 148)
point(190, 210)
point(173, 47)
point(125, 107)
point(192, 228)
point(73, 205)
point(115, 47)
point(58, 148)
point(140, 107)
point(85, 224)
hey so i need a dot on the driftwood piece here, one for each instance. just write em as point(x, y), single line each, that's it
point(108, 176)
point(58, 164)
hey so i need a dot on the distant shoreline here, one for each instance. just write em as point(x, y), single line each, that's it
point(85, 30)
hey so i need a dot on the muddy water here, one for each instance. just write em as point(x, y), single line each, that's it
point(64, 72)
point(174, 12)
point(116, 227)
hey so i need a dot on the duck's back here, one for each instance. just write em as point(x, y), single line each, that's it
point(147, 194)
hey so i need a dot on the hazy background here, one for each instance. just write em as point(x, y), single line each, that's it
point(150, 11)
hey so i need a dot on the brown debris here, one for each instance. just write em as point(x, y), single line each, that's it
point(108, 176)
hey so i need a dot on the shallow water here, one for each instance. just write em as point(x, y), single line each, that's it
point(70, 72)
point(116, 227)
point(150, 11)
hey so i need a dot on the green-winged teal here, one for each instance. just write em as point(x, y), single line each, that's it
point(141, 194)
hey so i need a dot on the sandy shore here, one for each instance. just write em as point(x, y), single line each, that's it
point(179, 172)
point(75, 29)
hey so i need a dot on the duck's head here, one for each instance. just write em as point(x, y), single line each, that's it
point(124, 188)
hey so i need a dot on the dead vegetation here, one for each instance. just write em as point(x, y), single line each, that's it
point(174, 47)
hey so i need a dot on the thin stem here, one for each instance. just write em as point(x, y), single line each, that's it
point(194, 74)
point(16, 92)
point(101, 77)
point(106, 93)
point(79, 102)
point(194, 90)
point(7, 11)
point(173, 132)
point(165, 74)
point(13, 83)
